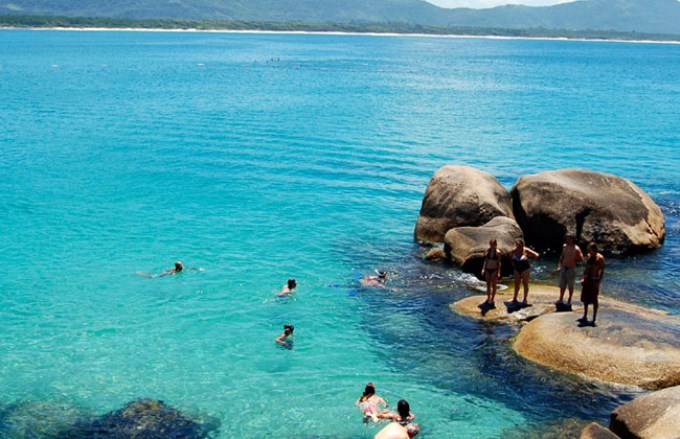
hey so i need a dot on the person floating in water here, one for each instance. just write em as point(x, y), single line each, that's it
point(491, 271)
point(178, 268)
point(375, 281)
point(592, 276)
point(285, 338)
point(571, 255)
point(522, 267)
point(394, 430)
point(372, 405)
point(403, 426)
point(288, 288)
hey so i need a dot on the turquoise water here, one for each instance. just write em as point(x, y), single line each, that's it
point(261, 157)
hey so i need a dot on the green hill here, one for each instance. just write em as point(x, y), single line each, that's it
point(644, 16)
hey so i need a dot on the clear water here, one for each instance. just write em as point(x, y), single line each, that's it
point(262, 157)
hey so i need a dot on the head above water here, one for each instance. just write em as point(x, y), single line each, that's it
point(403, 408)
point(369, 389)
point(179, 266)
point(288, 328)
point(292, 283)
point(412, 430)
point(382, 275)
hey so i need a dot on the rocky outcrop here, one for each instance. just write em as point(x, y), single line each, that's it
point(604, 208)
point(542, 298)
point(629, 345)
point(141, 419)
point(653, 416)
point(596, 431)
point(460, 196)
point(467, 246)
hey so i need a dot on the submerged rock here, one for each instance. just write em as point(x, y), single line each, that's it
point(467, 246)
point(141, 419)
point(460, 196)
point(38, 419)
point(593, 206)
point(653, 416)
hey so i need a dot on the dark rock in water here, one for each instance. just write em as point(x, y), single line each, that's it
point(141, 419)
point(467, 246)
point(653, 416)
point(596, 431)
point(434, 254)
point(593, 206)
point(38, 419)
point(459, 196)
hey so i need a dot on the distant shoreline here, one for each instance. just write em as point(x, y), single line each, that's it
point(35, 22)
point(349, 33)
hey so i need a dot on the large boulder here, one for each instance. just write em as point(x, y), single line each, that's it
point(630, 345)
point(467, 246)
point(604, 208)
point(460, 196)
point(653, 416)
point(141, 419)
point(596, 431)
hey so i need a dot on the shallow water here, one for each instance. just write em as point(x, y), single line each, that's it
point(263, 157)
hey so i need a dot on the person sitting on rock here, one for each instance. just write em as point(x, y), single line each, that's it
point(288, 288)
point(592, 277)
point(571, 255)
point(522, 267)
point(491, 271)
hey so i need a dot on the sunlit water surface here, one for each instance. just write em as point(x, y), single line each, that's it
point(262, 157)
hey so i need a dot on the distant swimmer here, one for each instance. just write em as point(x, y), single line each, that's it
point(287, 289)
point(285, 338)
point(375, 281)
point(178, 268)
point(394, 430)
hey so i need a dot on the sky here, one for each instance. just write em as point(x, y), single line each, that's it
point(479, 4)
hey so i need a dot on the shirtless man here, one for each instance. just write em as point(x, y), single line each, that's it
point(571, 255)
point(395, 430)
point(288, 288)
point(591, 279)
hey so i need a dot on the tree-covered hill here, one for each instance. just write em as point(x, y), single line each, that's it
point(646, 16)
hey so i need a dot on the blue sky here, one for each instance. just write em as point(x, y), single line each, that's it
point(478, 4)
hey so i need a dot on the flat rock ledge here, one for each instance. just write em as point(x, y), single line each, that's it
point(630, 345)
point(541, 297)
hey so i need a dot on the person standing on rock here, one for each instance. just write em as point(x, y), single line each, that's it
point(571, 255)
point(592, 277)
point(491, 271)
point(521, 265)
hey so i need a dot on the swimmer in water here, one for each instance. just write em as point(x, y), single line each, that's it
point(178, 268)
point(284, 338)
point(287, 289)
point(375, 281)
point(394, 430)
point(371, 404)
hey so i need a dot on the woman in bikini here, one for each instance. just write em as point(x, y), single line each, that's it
point(522, 267)
point(372, 405)
point(491, 271)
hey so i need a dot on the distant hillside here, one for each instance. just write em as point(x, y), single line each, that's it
point(646, 16)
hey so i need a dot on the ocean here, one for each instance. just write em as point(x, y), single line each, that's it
point(262, 157)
